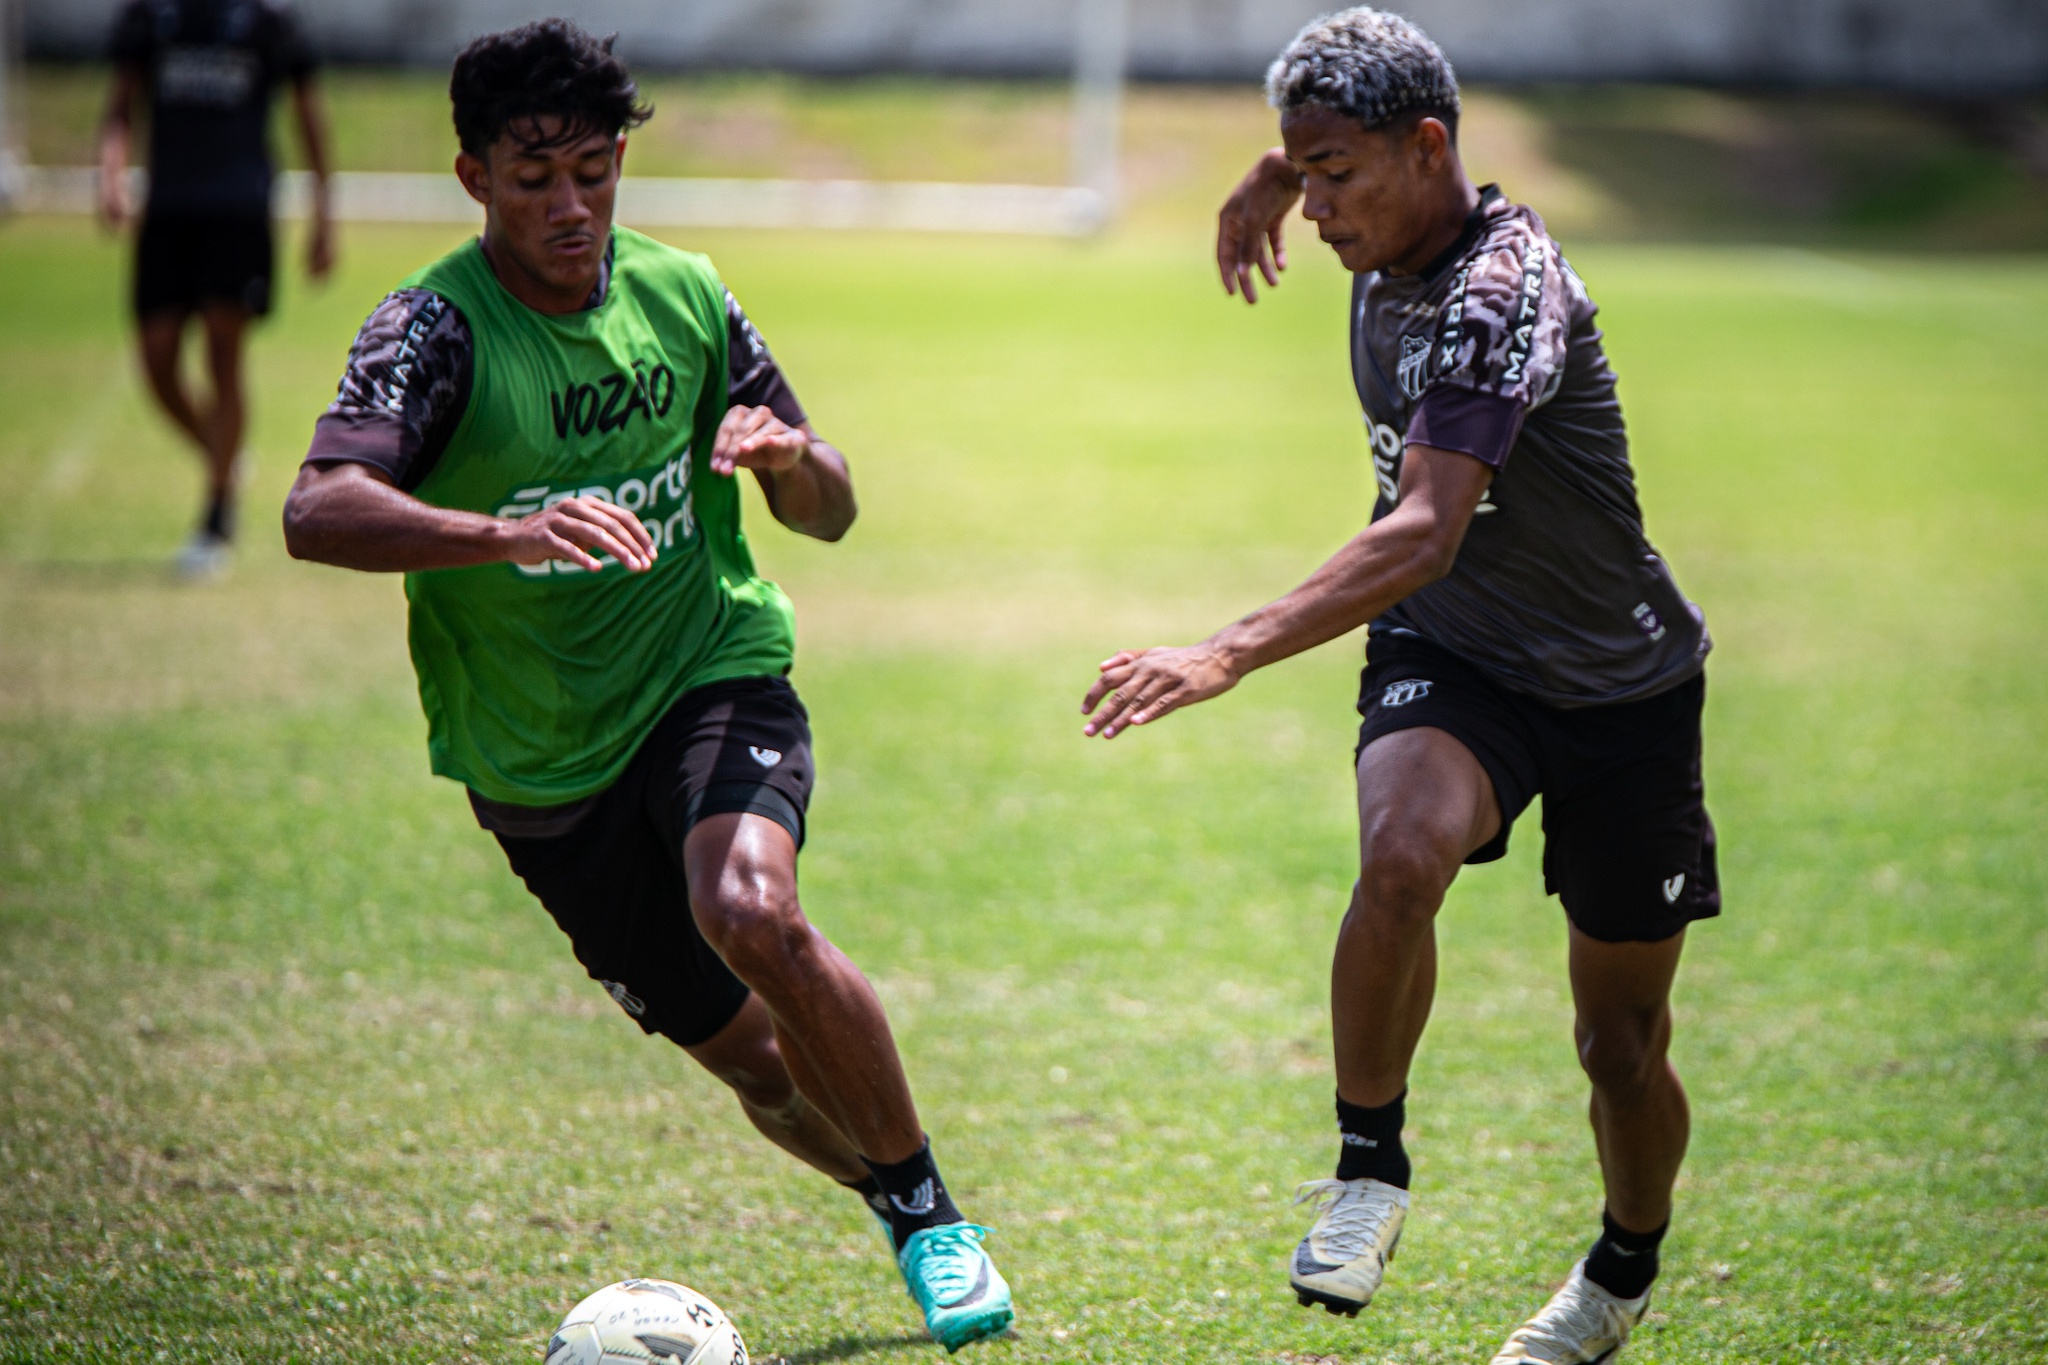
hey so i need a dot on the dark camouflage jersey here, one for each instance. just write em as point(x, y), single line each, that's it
point(1492, 351)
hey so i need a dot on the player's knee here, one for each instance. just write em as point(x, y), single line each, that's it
point(759, 930)
point(1402, 877)
point(1621, 1056)
point(767, 1089)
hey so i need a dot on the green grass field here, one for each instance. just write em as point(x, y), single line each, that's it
point(292, 1069)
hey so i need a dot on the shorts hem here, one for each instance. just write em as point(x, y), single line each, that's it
point(750, 798)
point(1507, 793)
point(1672, 927)
point(692, 1037)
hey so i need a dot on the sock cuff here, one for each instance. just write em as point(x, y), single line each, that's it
point(1347, 1112)
point(1631, 1241)
point(910, 1165)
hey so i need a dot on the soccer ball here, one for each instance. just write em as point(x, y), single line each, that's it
point(646, 1322)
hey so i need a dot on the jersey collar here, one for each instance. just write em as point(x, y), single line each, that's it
point(1475, 223)
point(604, 275)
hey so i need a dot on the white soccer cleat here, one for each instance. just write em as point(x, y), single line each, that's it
point(1582, 1324)
point(1342, 1260)
point(203, 558)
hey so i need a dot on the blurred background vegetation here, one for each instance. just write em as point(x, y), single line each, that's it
point(1602, 162)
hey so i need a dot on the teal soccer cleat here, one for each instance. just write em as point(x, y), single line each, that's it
point(963, 1296)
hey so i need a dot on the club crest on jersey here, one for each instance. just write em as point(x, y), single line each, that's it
point(1405, 691)
point(1414, 367)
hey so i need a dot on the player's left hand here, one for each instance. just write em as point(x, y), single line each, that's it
point(320, 246)
point(1141, 685)
point(755, 438)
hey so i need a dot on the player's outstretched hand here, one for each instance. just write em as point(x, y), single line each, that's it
point(1248, 230)
point(1140, 685)
point(583, 531)
point(755, 438)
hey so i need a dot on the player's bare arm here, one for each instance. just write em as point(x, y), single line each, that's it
point(1411, 547)
point(312, 121)
point(1249, 227)
point(351, 516)
point(115, 128)
point(804, 479)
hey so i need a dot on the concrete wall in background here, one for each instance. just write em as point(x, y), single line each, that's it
point(1960, 47)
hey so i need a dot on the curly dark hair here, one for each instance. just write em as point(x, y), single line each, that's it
point(1375, 67)
point(503, 82)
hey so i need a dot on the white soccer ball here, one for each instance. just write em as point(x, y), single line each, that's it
point(646, 1322)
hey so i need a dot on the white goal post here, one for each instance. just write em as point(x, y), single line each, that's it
point(1082, 207)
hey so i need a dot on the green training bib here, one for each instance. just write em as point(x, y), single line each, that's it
point(539, 681)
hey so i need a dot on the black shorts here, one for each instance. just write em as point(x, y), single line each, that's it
point(182, 263)
point(613, 878)
point(1627, 844)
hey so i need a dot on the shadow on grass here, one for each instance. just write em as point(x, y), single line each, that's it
point(852, 1348)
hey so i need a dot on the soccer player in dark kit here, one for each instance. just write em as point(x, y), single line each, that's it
point(1523, 637)
point(543, 431)
point(207, 70)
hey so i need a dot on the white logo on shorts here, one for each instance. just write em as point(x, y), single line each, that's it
point(767, 758)
point(627, 1001)
point(1405, 691)
point(1672, 886)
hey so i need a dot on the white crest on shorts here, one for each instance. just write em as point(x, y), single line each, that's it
point(1672, 886)
point(1405, 691)
point(767, 758)
point(627, 1001)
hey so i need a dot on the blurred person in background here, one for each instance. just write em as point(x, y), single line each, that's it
point(206, 71)
point(1523, 637)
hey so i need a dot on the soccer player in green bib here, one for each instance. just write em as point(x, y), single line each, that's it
point(543, 432)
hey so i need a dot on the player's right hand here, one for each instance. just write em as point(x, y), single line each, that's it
point(113, 200)
point(1248, 230)
point(1134, 686)
point(583, 531)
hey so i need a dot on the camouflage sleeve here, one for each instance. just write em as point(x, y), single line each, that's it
point(1500, 345)
point(403, 391)
point(754, 380)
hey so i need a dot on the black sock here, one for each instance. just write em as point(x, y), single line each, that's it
point(1622, 1262)
point(220, 517)
point(868, 1190)
point(917, 1196)
point(1372, 1142)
